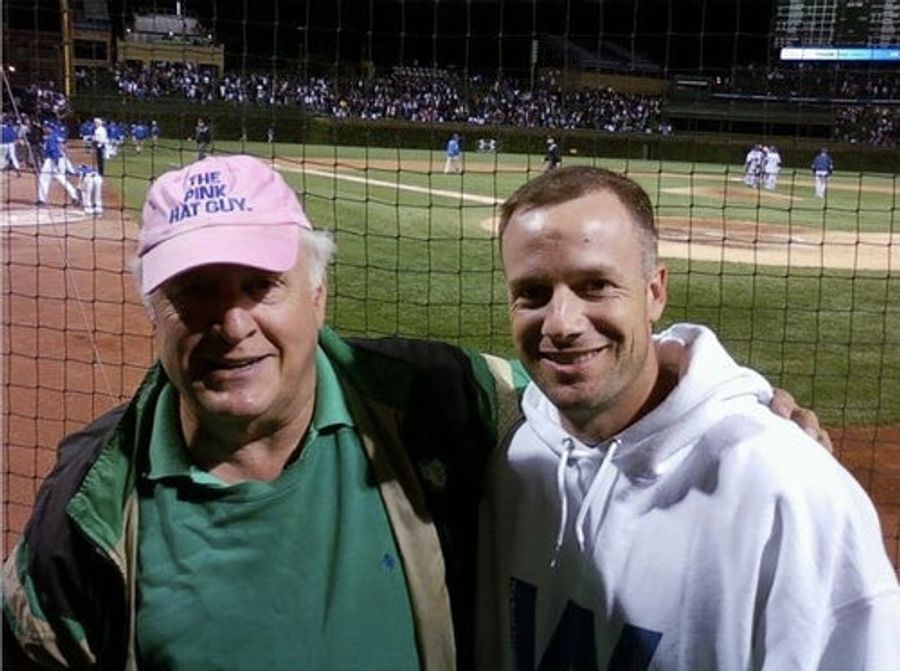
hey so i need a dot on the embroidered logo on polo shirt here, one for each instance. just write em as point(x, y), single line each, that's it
point(435, 474)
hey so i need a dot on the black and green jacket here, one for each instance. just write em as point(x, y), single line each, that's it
point(427, 413)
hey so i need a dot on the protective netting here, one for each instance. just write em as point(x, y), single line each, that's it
point(357, 102)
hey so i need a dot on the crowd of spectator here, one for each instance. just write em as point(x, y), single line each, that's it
point(871, 125)
point(41, 101)
point(414, 94)
point(812, 81)
point(428, 95)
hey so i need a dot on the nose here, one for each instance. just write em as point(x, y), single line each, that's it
point(564, 318)
point(235, 323)
point(232, 317)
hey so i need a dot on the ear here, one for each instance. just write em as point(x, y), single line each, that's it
point(149, 309)
point(657, 293)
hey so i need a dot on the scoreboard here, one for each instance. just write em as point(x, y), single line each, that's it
point(837, 30)
point(837, 23)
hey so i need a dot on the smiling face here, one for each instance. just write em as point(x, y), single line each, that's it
point(239, 344)
point(582, 306)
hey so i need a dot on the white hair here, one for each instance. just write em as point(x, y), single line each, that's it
point(320, 249)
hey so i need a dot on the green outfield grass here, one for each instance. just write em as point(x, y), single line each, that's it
point(417, 258)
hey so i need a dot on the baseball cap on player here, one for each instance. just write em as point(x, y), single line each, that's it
point(233, 209)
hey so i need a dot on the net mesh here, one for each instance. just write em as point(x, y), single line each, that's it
point(355, 102)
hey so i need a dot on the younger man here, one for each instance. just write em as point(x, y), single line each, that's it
point(650, 512)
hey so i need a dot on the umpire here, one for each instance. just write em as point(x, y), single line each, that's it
point(553, 157)
point(100, 143)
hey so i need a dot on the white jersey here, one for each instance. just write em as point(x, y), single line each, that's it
point(101, 137)
point(772, 162)
point(753, 160)
point(709, 535)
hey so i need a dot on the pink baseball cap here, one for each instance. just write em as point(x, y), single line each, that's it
point(230, 209)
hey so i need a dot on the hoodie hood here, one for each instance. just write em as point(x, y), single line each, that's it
point(708, 380)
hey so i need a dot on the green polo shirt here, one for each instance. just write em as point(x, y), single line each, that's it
point(300, 573)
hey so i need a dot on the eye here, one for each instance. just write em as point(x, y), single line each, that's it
point(261, 285)
point(597, 287)
point(530, 295)
point(182, 291)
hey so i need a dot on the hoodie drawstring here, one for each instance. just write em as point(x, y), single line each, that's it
point(605, 465)
point(568, 448)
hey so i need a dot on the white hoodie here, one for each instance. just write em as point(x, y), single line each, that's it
point(710, 535)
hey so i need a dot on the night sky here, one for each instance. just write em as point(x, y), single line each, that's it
point(676, 34)
point(477, 35)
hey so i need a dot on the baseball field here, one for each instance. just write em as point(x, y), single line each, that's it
point(803, 289)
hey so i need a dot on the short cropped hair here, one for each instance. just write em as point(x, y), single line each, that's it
point(564, 184)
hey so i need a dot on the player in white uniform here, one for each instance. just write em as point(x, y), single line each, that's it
point(771, 166)
point(91, 185)
point(9, 138)
point(753, 165)
point(650, 512)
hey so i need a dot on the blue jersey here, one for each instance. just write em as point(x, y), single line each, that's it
point(8, 133)
point(85, 170)
point(822, 163)
point(453, 148)
point(114, 131)
point(54, 147)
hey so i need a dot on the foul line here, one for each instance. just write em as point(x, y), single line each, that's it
point(333, 174)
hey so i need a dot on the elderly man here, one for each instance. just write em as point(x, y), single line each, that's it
point(650, 512)
point(273, 496)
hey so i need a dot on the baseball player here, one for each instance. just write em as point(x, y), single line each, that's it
point(139, 133)
point(771, 166)
point(822, 167)
point(91, 186)
point(9, 136)
point(154, 133)
point(753, 166)
point(55, 166)
point(454, 155)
